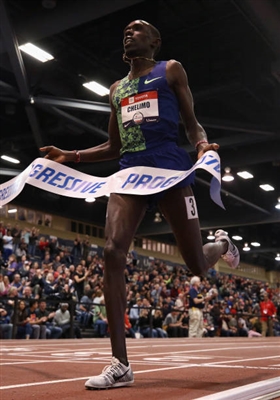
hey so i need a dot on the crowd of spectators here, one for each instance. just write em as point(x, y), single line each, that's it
point(40, 280)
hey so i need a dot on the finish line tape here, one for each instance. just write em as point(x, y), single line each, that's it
point(62, 180)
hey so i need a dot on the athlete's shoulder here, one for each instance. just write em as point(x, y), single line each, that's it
point(174, 64)
point(175, 72)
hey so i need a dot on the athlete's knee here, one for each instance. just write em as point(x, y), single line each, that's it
point(114, 252)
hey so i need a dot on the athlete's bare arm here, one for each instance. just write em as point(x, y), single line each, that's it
point(178, 82)
point(105, 151)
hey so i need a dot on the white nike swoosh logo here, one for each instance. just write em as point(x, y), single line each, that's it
point(151, 80)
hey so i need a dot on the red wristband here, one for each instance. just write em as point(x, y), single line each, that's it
point(200, 142)
point(78, 156)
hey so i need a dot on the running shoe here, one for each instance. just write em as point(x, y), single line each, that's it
point(114, 375)
point(232, 256)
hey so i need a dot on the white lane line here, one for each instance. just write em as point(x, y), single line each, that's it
point(23, 385)
point(236, 367)
point(106, 351)
point(247, 392)
point(243, 360)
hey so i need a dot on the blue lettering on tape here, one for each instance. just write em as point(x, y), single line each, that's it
point(131, 179)
point(57, 177)
point(46, 174)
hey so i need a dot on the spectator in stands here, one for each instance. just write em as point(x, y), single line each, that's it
point(185, 320)
point(11, 300)
point(12, 267)
point(196, 305)
point(76, 251)
point(17, 282)
point(85, 247)
point(43, 246)
point(225, 330)
point(21, 319)
point(21, 250)
point(100, 321)
point(97, 267)
point(56, 262)
point(215, 313)
point(62, 319)
point(79, 278)
point(33, 238)
point(85, 308)
point(145, 324)
point(242, 329)
point(6, 327)
point(129, 331)
point(46, 318)
point(268, 313)
point(2, 234)
point(276, 327)
point(53, 247)
point(155, 293)
point(158, 324)
point(173, 325)
point(51, 286)
point(16, 233)
point(38, 328)
point(47, 262)
point(27, 294)
point(5, 287)
point(24, 268)
point(37, 282)
point(8, 244)
point(34, 265)
point(180, 302)
point(134, 313)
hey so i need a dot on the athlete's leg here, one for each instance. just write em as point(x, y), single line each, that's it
point(179, 208)
point(124, 213)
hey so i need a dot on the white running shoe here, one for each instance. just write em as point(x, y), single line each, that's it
point(114, 375)
point(232, 256)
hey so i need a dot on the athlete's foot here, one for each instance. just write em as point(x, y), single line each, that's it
point(232, 256)
point(114, 375)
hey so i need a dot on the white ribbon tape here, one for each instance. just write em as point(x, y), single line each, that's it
point(57, 178)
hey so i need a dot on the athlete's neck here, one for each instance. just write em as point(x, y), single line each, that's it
point(140, 66)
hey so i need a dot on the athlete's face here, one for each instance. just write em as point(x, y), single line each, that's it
point(137, 39)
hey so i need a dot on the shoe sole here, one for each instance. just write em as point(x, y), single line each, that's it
point(115, 385)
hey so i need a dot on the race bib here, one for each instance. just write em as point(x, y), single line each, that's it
point(142, 107)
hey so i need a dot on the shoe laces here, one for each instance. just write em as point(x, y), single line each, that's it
point(112, 368)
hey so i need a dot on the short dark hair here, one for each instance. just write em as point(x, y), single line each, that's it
point(156, 34)
point(32, 302)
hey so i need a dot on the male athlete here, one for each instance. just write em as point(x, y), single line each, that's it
point(143, 131)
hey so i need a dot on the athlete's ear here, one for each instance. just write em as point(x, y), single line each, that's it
point(156, 44)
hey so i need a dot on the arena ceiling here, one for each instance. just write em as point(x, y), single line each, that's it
point(231, 52)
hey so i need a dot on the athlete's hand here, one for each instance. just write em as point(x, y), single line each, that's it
point(54, 154)
point(206, 147)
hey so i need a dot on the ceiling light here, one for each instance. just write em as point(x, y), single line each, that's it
point(245, 175)
point(10, 159)
point(90, 199)
point(12, 211)
point(36, 52)
point(237, 237)
point(97, 88)
point(278, 204)
point(210, 236)
point(277, 258)
point(228, 177)
point(246, 247)
point(157, 217)
point(267, 187)
point(255, 244)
